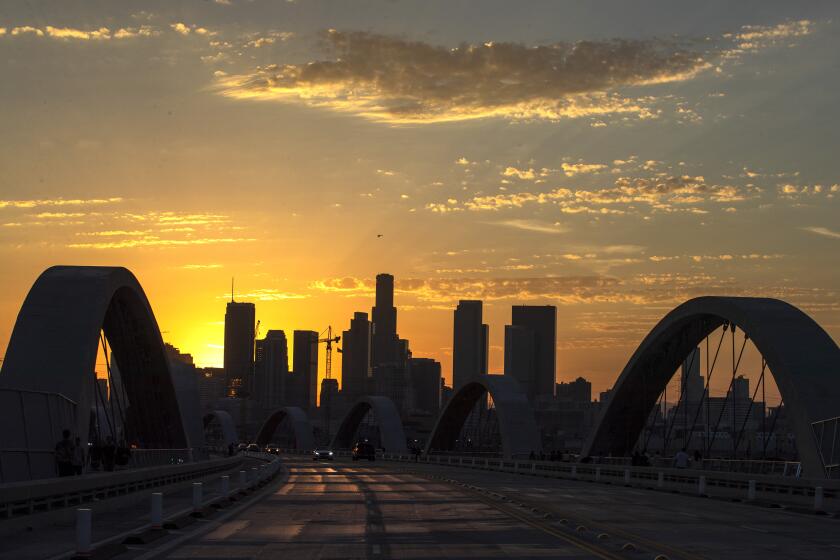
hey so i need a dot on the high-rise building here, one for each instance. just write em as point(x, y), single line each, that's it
point(425, 383)
point(692, 386)
point(542, 321)
point(577, 391)
point(305, 368)
point(520, 357)
point(271, 368)
point(469, 344)
point(741, 389)
point(239, 346)
point(355, 358)
point(384, 316)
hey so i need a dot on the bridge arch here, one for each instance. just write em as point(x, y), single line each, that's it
point(517, 426)
point(391, 433)
point(56, 337)
point(804, 361)
point(225, 421)
point(300, 425)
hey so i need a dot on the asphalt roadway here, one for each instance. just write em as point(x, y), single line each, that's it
point(380, 510)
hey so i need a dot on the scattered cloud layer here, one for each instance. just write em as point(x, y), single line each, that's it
point(400, 81)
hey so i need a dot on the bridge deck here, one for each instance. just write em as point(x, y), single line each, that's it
point(388, 510)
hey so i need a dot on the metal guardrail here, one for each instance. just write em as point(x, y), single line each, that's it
point(25, 498)
point(728, 483)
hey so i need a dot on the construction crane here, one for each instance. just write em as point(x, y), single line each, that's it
point(329, 342)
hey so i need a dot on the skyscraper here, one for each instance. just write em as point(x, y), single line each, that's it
point(425, 383)
point(239, 346)
point(271, 368)
point(520, 357)
point(469, 344)
point(542, 321)
point(384, 316)
point(355, 358)
point(305, 368)
point(692, 385)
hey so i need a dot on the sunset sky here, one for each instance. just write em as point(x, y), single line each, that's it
point(612, 158)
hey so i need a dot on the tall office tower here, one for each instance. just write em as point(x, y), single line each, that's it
point(542, 320)
point(692, 385)
point(239, 347)
point(741, 389)
point(577, 391)
point(469, 344)
point(384, 317)
point(305, 368)
point(355, 358)
point(424, 374)
point(271, 366)
point(520, 358)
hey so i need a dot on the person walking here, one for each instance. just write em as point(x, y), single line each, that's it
point(79, 457)
point(64, 454)
point(681, 459)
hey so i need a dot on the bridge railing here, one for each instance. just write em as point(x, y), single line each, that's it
point(24, 498)
point(728, 484)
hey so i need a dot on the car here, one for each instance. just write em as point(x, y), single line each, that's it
point(322, 455)
point(364, 450)
point(272, 448)
point(253, 448)
point(241, 447)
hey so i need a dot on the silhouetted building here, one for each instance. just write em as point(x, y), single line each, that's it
point(741, 389)
point(692, 386)
point(577, 391)
point(329, 394)
point(446, 393)
point(520, 358)
point(425, 383)
point(391, 380)
point(355, 358)
point(271, 369)
point(305, 368)
point(239, 346)
point(542, 321)
point(470, 343)
point(212, 386)
point(384, 317)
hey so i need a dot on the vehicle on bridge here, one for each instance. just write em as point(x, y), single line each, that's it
point(272, 448)
point(364, 450)
point(322, 455)
point(253, 448)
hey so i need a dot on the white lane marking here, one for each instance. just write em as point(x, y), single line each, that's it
point(376, 549)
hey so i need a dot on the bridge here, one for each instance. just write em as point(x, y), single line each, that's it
point(608, 507)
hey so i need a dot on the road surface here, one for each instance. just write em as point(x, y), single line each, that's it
point(392, 510)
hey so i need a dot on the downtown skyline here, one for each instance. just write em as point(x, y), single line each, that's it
point(169, 144)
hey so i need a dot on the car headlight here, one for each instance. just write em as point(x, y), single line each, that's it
point(330, 452)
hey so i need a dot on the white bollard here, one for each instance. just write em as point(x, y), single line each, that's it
point(225, 486)
point(597, 474)
point(533, 467)
point(83, 528)
point(156, 514)
point(818, 498)
point(751, 491)
point(701, 486)
point(253, 475)
point(660, 480)
point(626, 476)
point(242, 479)
point(197, 496)
point(574, 471)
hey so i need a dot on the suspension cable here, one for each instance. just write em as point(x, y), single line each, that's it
point(749, 408)
point(683, 391)
point(112, 384)
point(731, 383)
point(104, 410)
point(706, 390)
point(773, 428)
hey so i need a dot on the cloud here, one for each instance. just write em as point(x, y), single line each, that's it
point(268, 294)
point(572, 169)
point(71, 33)
point(754, 37)
point(200, 266)
point(531, 225)
point(824, 231)
point(58, 202)
point(181, 28)
point(155, 241)
point(395, 80)
point(524, 174)
point(27, 30)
